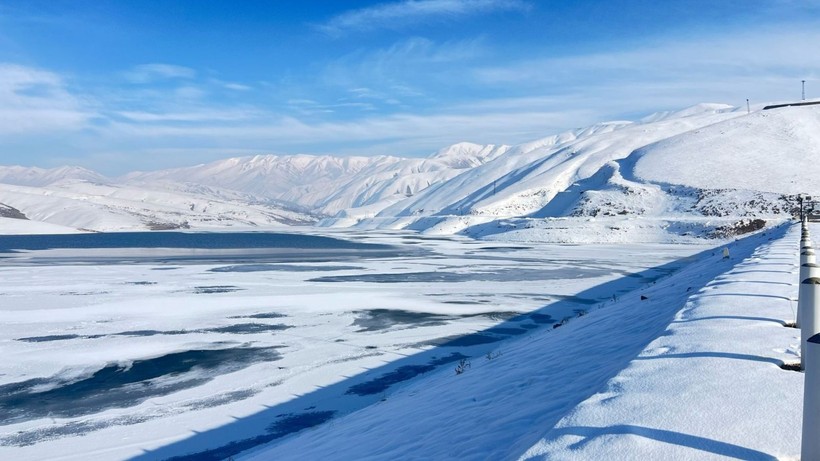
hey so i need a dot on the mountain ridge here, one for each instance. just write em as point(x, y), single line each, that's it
point(682, 173)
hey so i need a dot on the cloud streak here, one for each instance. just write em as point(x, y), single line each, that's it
point(37, 101)
point(398, 15)
point(766, 64)
point(149, 73)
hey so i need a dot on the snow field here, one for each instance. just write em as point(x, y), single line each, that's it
point(690, 372)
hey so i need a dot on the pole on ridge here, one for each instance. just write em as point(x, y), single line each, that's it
point(807, 302)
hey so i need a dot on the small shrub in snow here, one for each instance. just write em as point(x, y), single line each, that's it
point(462, 366)
point(493, 355)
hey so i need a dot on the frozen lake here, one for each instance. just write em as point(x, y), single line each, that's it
point(163, 345)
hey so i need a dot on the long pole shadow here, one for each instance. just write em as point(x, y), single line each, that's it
point(325, 404)
point(694, 442)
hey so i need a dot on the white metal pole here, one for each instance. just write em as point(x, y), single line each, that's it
point(807, 256)
point(810, 446)
point(809, 298)
point(807, 270)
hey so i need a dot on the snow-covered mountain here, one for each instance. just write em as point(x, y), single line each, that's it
point(36, 177)
point(709, 170)
point(329, 184)
point(83, 205)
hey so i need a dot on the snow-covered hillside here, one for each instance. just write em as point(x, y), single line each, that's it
point(22, 176)
point(329, 184)
point(86, 206)
point(710, 170)
point(707, 171)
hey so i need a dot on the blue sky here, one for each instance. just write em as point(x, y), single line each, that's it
point(117, 85)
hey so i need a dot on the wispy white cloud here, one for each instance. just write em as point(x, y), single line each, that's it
point(405, 68)
point(413, 132)
point(766, 64)
point(148, 73)
point(37, 101)
point(236, 86)
point(204, 115)
point(407, 12)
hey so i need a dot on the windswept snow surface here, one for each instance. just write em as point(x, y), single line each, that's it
point(686, 368)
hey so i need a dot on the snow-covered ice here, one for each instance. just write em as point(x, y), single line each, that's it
point(110, 361)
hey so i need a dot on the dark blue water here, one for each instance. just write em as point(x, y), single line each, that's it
point(189, 248)
point(188, 240)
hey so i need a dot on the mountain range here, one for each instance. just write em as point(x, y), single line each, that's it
point(711, 170)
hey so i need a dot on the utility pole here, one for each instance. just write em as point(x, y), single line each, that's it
point(804, 89)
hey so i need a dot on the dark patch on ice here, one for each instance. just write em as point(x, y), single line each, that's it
point(83, 293)
point(79, 428)
point(499, 275)
point(403, 373)
point(145, 333)
point(223, 399)
point(382, 319)
point(468, 303)
point(282, 267)
point(123, 385)
point(288, 424)
point(510, 248)
point(237, 329)
point(261, 315)
point(45, 339)
point(141, 283)
point(502, 315)
point(165, 268)
point(70, 429)
point(247, 328)
point(216, 289)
